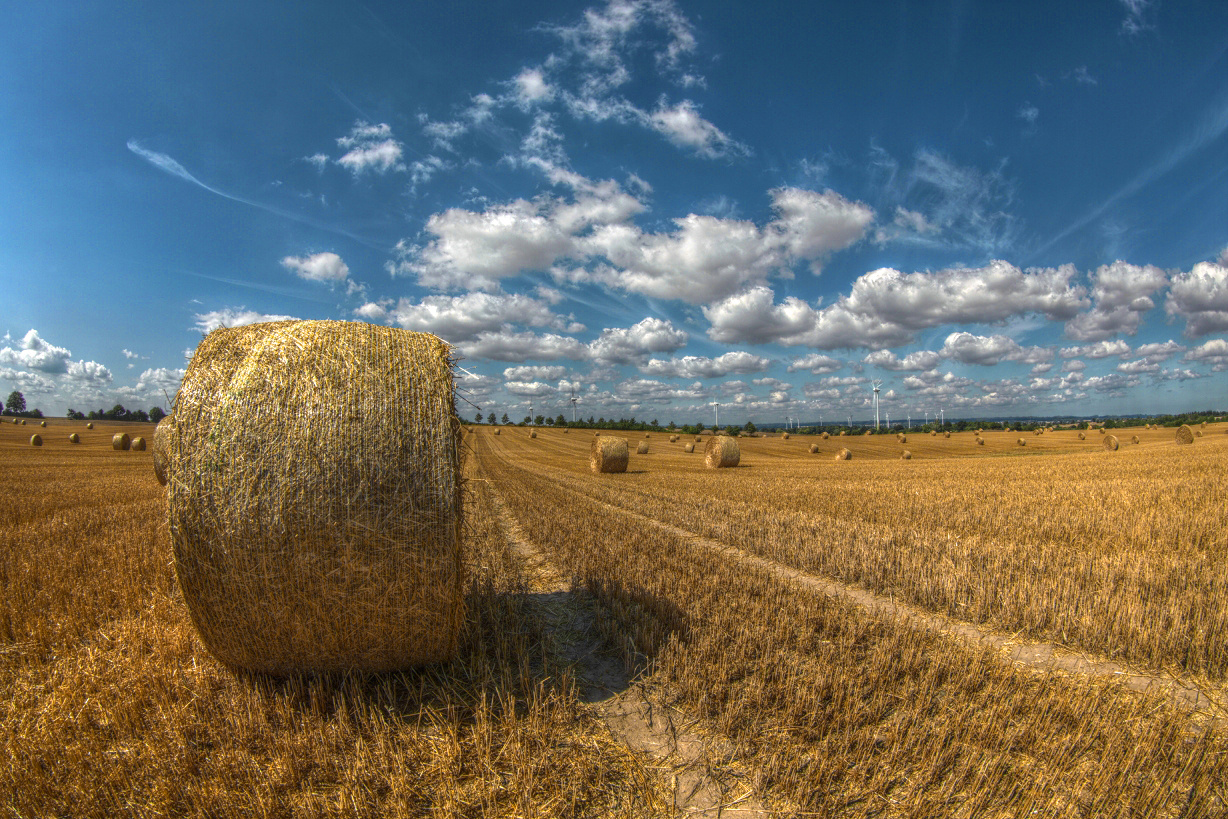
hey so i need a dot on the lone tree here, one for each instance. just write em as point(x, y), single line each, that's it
point(15, 403)
point(156, 414)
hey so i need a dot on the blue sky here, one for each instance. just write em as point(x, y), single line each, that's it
point(994, 208)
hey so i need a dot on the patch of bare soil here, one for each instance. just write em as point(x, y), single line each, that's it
point(699, 768)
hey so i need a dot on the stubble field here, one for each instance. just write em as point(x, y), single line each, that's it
point(750, 613)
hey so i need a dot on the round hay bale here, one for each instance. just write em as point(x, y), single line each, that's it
point(1101, 430)
point(1082, 437)
point(906, 455)
point(1039, 431)
point(699, 439)
point(933, 432)
point(946, 435)
point(566, 430)
point(469, 430)
point(597, 434)
point(23, 422)
point(868, 432)
point(642, 449)
point(1198, 433)
point(825, 436)
point(121, 442)
point(646, 436)
point(608, 455)
point(1110, 443)
point(688, 448)
point(980, 442)
point(1185, 435)
point(532, 433)
point(36, 440)
point(316, 510)
point(90, 425)
point(161, 452)
point(814, 448)
point(902, 438)
point(1134, 439)
point(784, 436)
point(74, 438)
point(497, 431)
point(138, 444)
point(843, 432)
point(722, 452)
point(673, 439)
point(1022, 442)
point(44, 423)
point(844, 455)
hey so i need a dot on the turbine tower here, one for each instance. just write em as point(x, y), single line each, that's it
point(717, 423)
point(876, 385)
point(573, 404)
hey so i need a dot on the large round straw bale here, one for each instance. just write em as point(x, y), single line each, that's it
point(814, 448)
point(74, 438)
point(906, 455)
point(1110, 443)
point(825, 436)
point(642, 449)
point(90, 425)
point(316, 507)
point(784, 436)
point(532, 433)
point(36, 440)
point(1022, 442)
point(121, 441)
point(1134, 439)
point(688, 448)
point(1082, 437)
point(1185, 435)
point(608, 455)
point(722, 452)
point(161, 452)
point(844, 455)
point(138, 444)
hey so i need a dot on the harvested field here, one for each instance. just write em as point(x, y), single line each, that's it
point(963, 634)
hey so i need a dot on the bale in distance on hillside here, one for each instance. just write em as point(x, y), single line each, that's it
point(906, 455)
point(1110, 443)
point(497, 431)
point(722, 452)
point(597, 434)
point(814, 448)
point(946, 435)
point(90, 425)
point(980, 442)
point(673, 439)
point(138, 444)
point(1185, 435)
point(315, 501)
point(784, 436)
point(1134, 439)
point(533, 433)
point(1038, 432)
point(44, 424)
point(1082, 437)
point(933, 433)
point(825, 436)
point(902, 438)
point(161, 451)
point(1022, 442)
point(843, 432)
point(642, 449)
point(608, 455)
point(688, 448)
point(74, 438)
point(23, 422)
point(36, 440)
point(1102, 430)
point(566, 430)
point(844, 455)
point(1198, 433)
point(120, 441)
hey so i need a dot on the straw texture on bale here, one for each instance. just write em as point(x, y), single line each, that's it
point(844, 455)
point(36, 440)
point(138, 444)
point(1185, 435)
point(722, 452)
point(1110, 443)
point(608, 455)
point(90, 425)
point(315, 500)
point(121, 441)
point(533, 433)
point(161, 452)
point(688, 448)
point(814, 448)
point(74, 438)
point(642, 449)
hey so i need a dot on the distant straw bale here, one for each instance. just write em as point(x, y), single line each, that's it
point(1102, 430)
point(316, 504)
point(722, 452)
point(946, 434)
point(44, 423)
point(843, 432)
point(138, 444)
point(642, 449)
point(497, 431)
point(532, 433)
point(608, 455)
point(90, 425)
point(1134, 439)
point(1110, 443)
point(121, 442)
point(933, 432)
point(980, 442)
point(673, 439)
point(1185, 435)
point(36, 440)
point(825, 436)
point(566, 430)
point(844, 455)
point(902, 438)
point(698, 439)
point(1082, 437)
point(814, 448)
point(74, 438)
point(688, 448)
point(1198, 432)
point(1022, 442)
point(906, 455)
point(784, 436)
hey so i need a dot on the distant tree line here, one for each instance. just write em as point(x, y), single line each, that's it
point(118, 413)
point(15, 405)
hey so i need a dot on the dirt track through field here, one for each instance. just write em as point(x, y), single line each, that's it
point(1040, 656)
point(703, 783)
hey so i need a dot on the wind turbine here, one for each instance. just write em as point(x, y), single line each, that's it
point(573, 404)
point(876, 385)
point(717, 424)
